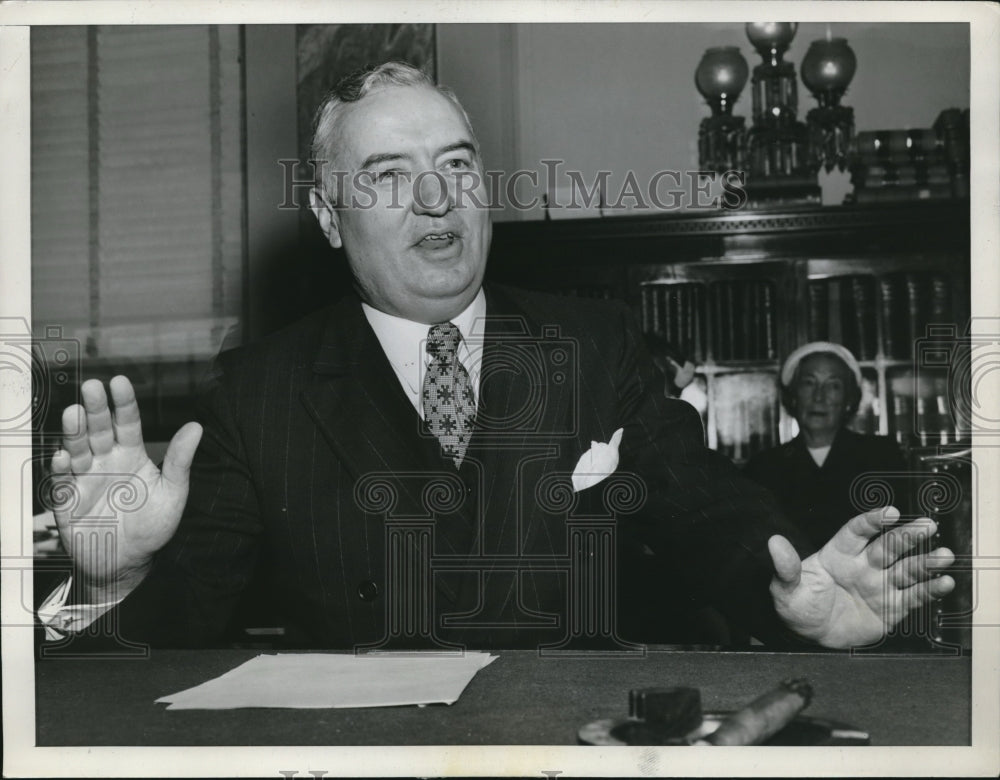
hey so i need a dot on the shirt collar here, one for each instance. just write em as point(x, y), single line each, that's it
point(404, 341)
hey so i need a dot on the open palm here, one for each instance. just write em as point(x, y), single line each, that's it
point(859, 585)
point(114, 508)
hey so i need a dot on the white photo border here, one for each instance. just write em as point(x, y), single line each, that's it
point(23, 759)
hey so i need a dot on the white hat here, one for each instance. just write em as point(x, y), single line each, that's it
point(792, 363)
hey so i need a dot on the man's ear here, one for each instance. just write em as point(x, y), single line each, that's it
point(326, 215)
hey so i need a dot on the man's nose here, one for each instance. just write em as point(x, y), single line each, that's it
point(432, 194)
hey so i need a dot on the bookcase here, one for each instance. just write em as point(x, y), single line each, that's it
point(728, 314)
point(735, 292)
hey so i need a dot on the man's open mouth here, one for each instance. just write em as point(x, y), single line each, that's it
point(438, 240)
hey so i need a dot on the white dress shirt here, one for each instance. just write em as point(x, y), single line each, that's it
point(404, 343)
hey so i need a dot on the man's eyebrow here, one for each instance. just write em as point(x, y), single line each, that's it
point(384, 157)
point(375, 159)
point(458, 146)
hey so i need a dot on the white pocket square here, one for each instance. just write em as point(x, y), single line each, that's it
point(597, 463)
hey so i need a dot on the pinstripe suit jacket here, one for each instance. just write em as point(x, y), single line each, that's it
point(313, 457)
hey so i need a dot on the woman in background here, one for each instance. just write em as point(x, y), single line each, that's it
point(812, 474)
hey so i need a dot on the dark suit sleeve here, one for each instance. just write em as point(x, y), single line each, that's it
point(705, 521)
point(198, 577)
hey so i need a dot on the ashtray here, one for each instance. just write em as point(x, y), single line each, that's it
point(801, 730)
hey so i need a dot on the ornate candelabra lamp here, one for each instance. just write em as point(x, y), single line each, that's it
point(827, 70)
point(720, 77)
point(775, 92)
point(778, 142)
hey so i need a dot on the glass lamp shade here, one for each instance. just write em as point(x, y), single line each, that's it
point(771, 39)
point(828, 68)
point(721, 76)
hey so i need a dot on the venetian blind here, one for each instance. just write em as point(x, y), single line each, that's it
point(137, 188)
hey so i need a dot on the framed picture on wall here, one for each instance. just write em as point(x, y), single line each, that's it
point(328, 52)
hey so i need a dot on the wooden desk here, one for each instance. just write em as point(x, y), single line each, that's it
point(519, 699)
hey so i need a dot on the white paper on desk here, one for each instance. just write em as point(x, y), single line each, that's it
point(320, 680)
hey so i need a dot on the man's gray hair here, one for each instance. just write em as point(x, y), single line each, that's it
point(353, 88)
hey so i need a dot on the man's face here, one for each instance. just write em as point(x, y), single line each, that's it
point(821, 389)
point(416, 245)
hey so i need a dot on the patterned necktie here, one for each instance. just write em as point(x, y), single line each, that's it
point(449, 405)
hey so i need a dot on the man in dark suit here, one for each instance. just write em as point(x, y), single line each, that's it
point(429, 463)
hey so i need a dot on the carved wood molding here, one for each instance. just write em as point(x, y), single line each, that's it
point(917, 214)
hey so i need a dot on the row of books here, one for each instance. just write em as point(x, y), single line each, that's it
point(740, 315)
point(897, 146)
point(909, 303)
point(845, 310)
point(734, 320)
point(922, 410)
point(886, 174)
point(676, 313)
point(919, 164)
point(886, 180)
point(743, 320)
point(919, 421)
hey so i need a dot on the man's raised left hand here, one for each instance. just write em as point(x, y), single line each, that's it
point(859, 585)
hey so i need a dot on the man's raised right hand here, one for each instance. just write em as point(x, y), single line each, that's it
point(114, 507)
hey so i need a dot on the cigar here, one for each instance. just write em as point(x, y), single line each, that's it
point(762, 718)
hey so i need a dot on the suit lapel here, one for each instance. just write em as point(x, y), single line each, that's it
point(356, 400)
point(519, 401)
point(520, 417)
